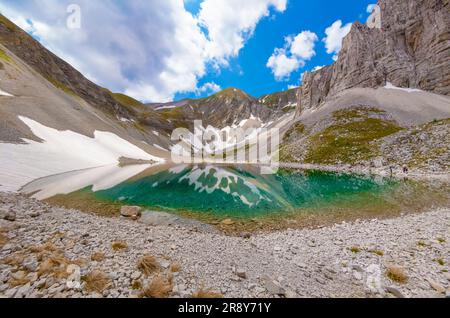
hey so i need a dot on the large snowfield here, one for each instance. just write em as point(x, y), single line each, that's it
point(60, 151)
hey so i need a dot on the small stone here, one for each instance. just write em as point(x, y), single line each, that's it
point(136, 275)
point(35, 214)
point(10, 293)
point(357, 275)
point(131, 211)
point(33, 277)
point(291, 294)
point(272, 287)
point(165, 264)
point(227, 222)
point(241, 273)
point(358, 268)
point(10, 216)
point(394, 291)
point(447, 275)
point(30, 264)
point(436, 286)
point(23, 291)
point(320, 280)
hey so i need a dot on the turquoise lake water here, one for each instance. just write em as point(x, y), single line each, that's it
point(240, 191)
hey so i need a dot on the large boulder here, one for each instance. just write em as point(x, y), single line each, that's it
point(133, 212)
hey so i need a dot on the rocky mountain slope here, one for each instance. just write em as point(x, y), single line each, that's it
point(408, 46)
point(389, 85)
point(53, 119)
point(229, 107)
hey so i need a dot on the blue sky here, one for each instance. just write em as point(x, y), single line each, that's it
point(160, 50)
point(249, 72)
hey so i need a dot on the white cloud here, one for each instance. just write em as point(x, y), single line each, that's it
point(281, 65)
point(303, 45)
point(370, 8)
point(231, 22)
point(297, 50)
point(209, 88)
point(148, 49)
point(335, 33)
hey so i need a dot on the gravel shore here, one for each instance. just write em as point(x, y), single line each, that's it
point(53, 252)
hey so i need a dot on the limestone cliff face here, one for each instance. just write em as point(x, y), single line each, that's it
point(405, 42)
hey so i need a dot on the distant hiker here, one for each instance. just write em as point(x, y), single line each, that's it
point(405, 169)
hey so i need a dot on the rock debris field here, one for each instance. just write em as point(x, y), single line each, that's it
point(53, 252)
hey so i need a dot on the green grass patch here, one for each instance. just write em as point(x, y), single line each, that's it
point(126, 100)
point(350, 139)
point(355, 249)
point(62, 87)
point(4, 56)
point(377, 252)
point(8, 24)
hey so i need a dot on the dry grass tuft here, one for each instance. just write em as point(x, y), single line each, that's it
point(17, 280)
point(14, 260)
point(148, 265)
point(136, 285)
point(377, 252)
point(355, 249)
point(55, 264)
point(3, 239)
point(441, 261)
point(159, 287)
point(97, 281)
point(119, 245)
point(422, 243)
point(47, 247)
point(396, 273)
point(98, 256)
point(175, 268)
point(206, 293)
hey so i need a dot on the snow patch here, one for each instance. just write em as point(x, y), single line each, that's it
point(166, 107)
point(408, 90)
point(61, 151)
point(101, 178)
point(126, 120)
point(3, 93)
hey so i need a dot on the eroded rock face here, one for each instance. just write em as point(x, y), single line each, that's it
point(411, 49)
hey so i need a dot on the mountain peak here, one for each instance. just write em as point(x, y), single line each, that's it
point(233, 92)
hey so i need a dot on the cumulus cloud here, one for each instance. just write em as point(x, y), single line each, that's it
point(230, 23)
point(297, 50)
point(303, 44)
point(334, 35)
point(209, 88)
point(282, 66)
point(150, 50)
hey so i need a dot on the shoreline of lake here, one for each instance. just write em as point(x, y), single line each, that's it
point(332, 261)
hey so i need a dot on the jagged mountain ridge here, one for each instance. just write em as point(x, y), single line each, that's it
point(406, 43)
point(385, 101)
point(228, 107)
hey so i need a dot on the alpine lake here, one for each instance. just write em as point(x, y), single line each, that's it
point(239, 199)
